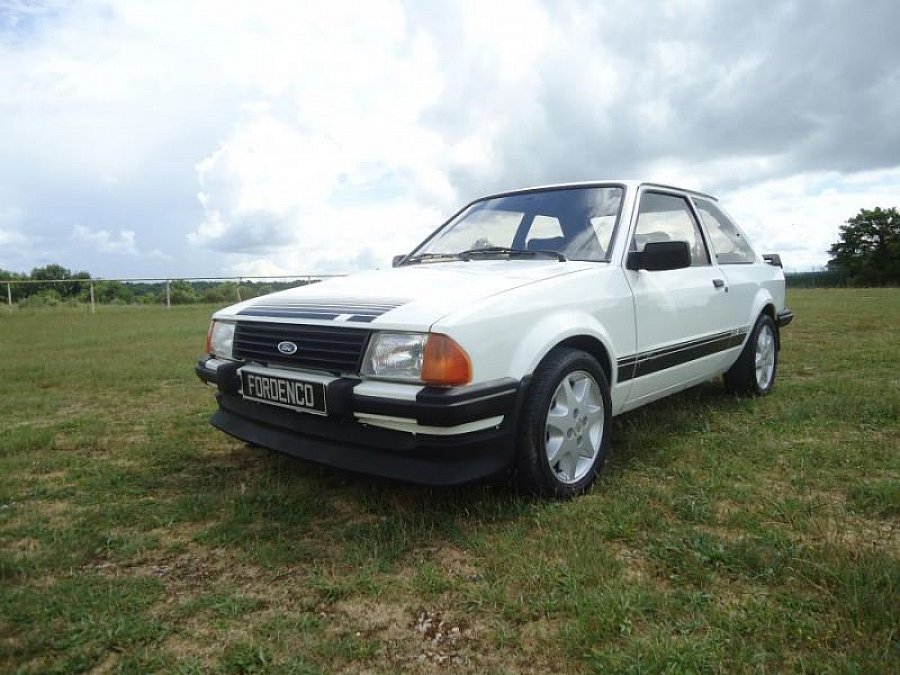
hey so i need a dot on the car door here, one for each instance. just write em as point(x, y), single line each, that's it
point(681, 320)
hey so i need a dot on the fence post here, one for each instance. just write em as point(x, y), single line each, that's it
point(168, 296)
point(9, 295)
point(92, 297)
point(237, 289)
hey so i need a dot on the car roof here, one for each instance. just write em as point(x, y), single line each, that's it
point(631, 184)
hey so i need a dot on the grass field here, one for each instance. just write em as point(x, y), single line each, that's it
point(725, 535)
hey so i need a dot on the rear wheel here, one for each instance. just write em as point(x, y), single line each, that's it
point(564, 429)
point(754, 372)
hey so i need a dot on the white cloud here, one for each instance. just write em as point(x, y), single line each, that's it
point(312, 199)
point(11, 238)
point(11, 220)
point(12, 242)
point(105, 242)
point(332, 167)
point(340, 239)
point(330, 136)
point(162, 256)
point(799, 217)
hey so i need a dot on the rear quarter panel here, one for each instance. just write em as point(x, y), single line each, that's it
point(753, 287)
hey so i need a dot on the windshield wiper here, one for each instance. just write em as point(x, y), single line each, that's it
point(431, 257)
point(503, 250)
point(487, 251)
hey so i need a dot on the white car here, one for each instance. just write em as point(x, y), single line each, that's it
point(507, 340)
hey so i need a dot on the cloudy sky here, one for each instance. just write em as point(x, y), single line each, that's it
point(219, 138)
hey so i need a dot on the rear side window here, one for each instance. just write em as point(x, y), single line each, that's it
point(665, 217)
point(728, 242)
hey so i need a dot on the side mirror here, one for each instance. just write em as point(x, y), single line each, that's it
point(396, 259)
point(660, 255)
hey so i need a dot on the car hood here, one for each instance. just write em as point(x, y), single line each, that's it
point(411, 297)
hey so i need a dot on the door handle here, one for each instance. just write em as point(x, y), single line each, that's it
point(718, 283)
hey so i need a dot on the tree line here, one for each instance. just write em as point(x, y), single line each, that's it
point(76, 288)
point(868, 252)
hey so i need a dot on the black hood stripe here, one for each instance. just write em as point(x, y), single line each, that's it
point(326, 309)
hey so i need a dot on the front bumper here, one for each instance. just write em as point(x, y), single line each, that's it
point(441, 437)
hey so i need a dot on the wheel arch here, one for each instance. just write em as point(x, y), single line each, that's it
point(594, 347)
point(769, 309)
point(764, 303)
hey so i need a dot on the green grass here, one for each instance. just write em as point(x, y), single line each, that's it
point(725, 535)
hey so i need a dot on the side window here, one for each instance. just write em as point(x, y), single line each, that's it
point(664, 217)
point(728, 242)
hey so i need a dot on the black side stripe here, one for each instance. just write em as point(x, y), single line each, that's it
point(653, 361)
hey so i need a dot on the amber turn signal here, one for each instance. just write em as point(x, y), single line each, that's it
point(445, 362)
point(209, 337)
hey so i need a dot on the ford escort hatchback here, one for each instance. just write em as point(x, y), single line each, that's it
point(507, 340)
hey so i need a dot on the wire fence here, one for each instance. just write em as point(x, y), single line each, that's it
point(301, 279)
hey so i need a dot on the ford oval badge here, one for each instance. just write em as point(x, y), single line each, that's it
point(287, 348)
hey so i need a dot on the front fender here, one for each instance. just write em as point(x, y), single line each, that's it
point(554, 328)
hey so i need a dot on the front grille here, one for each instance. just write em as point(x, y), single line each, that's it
point(339, 350)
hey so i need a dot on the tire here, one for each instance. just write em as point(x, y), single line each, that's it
point(564, 428)
point(753, 374)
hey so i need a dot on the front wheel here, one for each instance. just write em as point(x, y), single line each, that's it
point(754, 372)
point(564, 429)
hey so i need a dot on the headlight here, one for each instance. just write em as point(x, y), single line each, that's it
point(428, 358)
point(395, 356)
point(220, 339)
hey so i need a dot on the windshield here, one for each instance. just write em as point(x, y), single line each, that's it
point(577, 223)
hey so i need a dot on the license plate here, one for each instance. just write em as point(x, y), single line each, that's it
point(284, 392)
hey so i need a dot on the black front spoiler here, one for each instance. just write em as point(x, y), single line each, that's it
point(344, 442)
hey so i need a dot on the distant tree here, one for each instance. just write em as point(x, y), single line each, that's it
point(111, 291)
point(869, 250)
point(220, 294)
point(54, 271)
point(17, 290)
point(181, 293)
